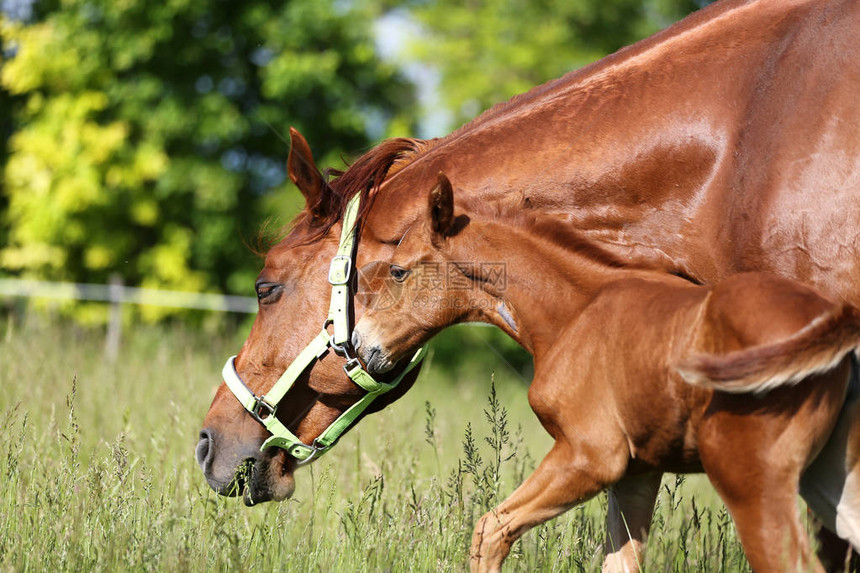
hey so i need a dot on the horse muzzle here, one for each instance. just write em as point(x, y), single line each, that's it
point(376, 359)
point(242, 469)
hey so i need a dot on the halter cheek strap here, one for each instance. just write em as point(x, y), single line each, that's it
point(263, 408)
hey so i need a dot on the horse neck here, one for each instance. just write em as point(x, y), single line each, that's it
point(549, 277)
point(632, 150)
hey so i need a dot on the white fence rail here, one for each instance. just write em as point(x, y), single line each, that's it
point(117, 293)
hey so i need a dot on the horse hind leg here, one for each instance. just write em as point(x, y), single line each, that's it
point(758, 479)
point(628, 520)
point(832, 492)
point(831, 485)
point(835, 553)
point(844, 557)
point(762, 500)
point(770, 548)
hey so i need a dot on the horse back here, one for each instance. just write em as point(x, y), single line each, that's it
point(792, 184)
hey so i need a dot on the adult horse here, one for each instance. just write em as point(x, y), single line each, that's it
point(725, 143)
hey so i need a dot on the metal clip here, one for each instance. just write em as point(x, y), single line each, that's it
point(260, 404)
point(350, 364)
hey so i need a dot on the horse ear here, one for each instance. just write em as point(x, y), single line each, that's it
point(304, 173)
point(441, 207)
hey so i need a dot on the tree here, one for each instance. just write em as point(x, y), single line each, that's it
point(7, 104)
point(489, 50)
point(149, 139)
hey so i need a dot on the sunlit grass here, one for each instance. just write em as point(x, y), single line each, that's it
point(98, 473)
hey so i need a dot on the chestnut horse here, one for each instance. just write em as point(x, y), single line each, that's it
point(608, 344)
point(722, 144)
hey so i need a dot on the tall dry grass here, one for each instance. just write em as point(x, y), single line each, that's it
point(97, 473)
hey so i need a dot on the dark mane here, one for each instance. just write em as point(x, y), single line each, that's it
point(362, 177)
point(370, 170)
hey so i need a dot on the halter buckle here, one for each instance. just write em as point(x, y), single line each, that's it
point(260, 404)
point(339, 270)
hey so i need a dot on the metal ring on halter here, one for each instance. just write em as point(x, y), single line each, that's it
point(260, 404)
point(314, 448)
point(340, 349)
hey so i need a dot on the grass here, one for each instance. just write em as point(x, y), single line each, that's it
point(98, 473)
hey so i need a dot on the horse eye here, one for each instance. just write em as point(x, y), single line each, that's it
point(266, 290)
point(399, 274)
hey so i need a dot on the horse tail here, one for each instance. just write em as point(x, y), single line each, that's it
point(816, 348)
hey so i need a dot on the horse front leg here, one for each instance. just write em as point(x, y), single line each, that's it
point(628, 520)
point(567, 476)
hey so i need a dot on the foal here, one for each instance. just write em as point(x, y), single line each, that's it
point(626, 363)
point(610, 394)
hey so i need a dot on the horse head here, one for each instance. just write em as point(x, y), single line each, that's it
point(294, 289)
point(425, 286)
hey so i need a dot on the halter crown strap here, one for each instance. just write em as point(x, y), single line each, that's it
point(339, 272)
point(263, 408)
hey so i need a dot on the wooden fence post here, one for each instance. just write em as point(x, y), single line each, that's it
point(114, 329)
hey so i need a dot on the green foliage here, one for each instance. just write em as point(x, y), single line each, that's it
point(466, 351)
point(489, 50)
point(149, 136)
point(147, 139)
point(7, 102)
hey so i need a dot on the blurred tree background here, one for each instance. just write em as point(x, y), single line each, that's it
point(487, 51)
point(148, 139)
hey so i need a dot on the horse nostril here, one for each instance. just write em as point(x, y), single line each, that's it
point(356, 339)
point(204, 451)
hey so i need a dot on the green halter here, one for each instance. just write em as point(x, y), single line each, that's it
point(263, 408)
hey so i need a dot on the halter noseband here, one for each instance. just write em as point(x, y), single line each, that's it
point(263, 408)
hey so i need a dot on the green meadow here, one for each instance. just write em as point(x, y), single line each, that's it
point(98, 473)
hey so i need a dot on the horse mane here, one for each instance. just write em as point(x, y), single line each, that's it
point(363, 176)
point(368, 172)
